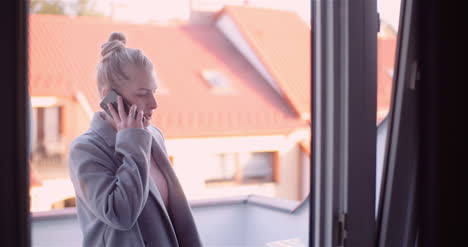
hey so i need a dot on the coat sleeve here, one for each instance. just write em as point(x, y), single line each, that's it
point(115, 197)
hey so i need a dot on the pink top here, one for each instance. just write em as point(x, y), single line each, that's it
point(159, 180)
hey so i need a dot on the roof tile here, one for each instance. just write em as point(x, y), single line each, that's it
point(64, 52)
point(281, 41)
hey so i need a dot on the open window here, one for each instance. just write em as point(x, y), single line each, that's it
point(397, 215)
point(342, 183)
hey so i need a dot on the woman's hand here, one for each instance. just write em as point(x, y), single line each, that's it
point(122, 120)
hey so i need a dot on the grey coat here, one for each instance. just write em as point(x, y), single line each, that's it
point(117, 202)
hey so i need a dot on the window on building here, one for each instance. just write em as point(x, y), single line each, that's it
point(221, 168)
point(66, 203)
point(242, 168)
point(48, 130)
point(257, 167)
point(215, 78)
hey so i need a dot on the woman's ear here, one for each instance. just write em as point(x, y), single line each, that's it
point(103, 91)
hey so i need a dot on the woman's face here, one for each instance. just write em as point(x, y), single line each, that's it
point(140, 90)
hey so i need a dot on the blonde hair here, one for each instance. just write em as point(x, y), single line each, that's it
point(114, 57)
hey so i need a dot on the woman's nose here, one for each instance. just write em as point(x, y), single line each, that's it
point(153, 105)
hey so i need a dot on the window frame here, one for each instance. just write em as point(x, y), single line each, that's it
point(14, 145)
point(344, 68)
point(397, 216)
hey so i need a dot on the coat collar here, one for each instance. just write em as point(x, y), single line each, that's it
point(101, 125)
point(103, 128)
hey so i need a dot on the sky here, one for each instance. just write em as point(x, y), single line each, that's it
point(143, 11)
point(389, 11)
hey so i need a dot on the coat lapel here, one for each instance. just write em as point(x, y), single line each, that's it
point(154, 191)
point(178, 216)
point(179, 210)
point(157, 196)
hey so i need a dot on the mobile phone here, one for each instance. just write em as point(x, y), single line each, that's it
point(111, 97)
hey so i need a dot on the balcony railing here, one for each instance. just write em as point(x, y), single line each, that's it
point(234, 221)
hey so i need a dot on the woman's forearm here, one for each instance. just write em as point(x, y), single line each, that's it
point(115, 197)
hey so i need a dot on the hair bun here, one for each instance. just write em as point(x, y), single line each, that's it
point(115, 43)
point(118, 36)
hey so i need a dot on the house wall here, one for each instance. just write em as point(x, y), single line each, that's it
point(76, 121)
point(241, 223)
point(305, 174)
point(189, 154)
point(55, 183)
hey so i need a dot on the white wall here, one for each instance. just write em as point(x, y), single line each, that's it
point(189, 154)
point(269, 225)
point(56, 232)
point(306, 167)
point(236, 224)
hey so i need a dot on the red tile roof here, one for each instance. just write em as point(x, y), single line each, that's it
point(385, 62)
point(282, 42)
point(288, 59)
point(64, 52)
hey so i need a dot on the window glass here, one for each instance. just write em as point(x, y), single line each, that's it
point(241, 168)
point(389, 12)
point(221, 167)
point(234, 42)
point(257, 167)
point(234, 116)
point(386, 50)
point(52, 125)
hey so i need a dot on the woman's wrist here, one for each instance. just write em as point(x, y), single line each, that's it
point(133, 140)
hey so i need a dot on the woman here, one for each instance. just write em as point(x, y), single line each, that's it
point(126, 191)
